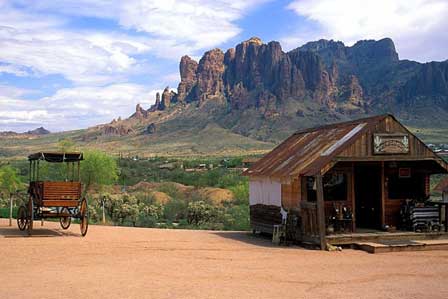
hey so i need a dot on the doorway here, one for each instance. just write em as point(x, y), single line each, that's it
point(368, 195)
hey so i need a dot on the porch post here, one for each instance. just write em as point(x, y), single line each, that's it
point(383, 195)
point(320, 211)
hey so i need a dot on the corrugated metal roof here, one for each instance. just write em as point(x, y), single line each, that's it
point(306, 152)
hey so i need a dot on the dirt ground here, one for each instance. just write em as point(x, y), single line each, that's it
point(118, 262)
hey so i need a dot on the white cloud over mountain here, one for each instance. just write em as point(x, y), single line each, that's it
point(38, 46)
point(418, 27)
point(40, 38)
point(100, 47)
point(71, 108)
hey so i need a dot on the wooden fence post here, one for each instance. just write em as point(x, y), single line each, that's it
point(10, 209)
point(321, 211)
point(104, 213)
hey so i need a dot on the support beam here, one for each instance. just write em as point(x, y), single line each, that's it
point(353, 195)
point(383, 195)
point(320, 211)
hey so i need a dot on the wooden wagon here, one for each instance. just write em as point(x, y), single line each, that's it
point(55, 199)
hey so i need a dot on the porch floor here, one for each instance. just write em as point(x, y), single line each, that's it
point(380, 236)
point(404, 245)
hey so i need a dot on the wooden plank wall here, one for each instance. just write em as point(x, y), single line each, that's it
point(264, 217)
point(363, 147)
point(291, 194)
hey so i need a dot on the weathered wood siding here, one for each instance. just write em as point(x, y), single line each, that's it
point(363, 146)
point(264, 217)
point(291, 194)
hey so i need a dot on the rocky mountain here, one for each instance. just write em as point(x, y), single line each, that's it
point(258, 90)
point(37, 131)
point(250, 97)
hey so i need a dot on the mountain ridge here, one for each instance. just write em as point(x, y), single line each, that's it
point(250, 97)
point(320, 78)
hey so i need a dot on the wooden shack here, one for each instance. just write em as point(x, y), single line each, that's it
point(355, 174)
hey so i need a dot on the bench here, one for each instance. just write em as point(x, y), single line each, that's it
point(60, 194)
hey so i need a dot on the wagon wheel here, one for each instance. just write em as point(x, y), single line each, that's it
point(84, 217)
point(22, 219)
point(30, 215)
point(65, 221)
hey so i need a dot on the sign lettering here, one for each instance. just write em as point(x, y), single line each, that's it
point(390, 144)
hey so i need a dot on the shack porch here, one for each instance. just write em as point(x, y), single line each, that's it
point(357, 181)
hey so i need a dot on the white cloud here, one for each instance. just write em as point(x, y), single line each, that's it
point(72, 108)
point(418, 27)
point(38, 37)
point(81, 57)
point(13, 92)
point(42, 37)
point(13, 69)
point(188, 24)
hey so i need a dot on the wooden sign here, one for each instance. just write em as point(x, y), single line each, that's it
point(390, 144)
point(404, 173)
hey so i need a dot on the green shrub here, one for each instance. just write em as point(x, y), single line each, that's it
point(201, 212)
point(146, 221)
point(175, 210)
point(4, 212)
point(237, 218)
point(241, 193)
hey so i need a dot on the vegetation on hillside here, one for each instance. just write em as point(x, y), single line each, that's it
point(157, 192)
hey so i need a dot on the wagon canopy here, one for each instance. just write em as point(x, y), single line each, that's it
point(56, 157)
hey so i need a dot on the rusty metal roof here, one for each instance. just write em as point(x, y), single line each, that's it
point(306, 152)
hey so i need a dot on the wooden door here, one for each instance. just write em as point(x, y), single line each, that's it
point(368, 196)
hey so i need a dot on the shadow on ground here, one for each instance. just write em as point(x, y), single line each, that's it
point(38, 231)
point(263, 240)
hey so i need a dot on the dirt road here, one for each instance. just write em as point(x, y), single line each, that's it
point(118, 262)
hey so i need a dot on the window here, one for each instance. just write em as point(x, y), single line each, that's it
point(406, 187)
point(335, 186)
point(311, 189)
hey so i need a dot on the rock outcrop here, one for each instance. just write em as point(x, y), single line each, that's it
point(116, 130)
point(167, 95)
point(140, 113)
point(38, 131)
point(188, 79)
point(428, 86)
point(320, 78)
point(151, 129)
point(210, 75)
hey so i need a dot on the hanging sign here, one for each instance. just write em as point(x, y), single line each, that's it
point(390, 144)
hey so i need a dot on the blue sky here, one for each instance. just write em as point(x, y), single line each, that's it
point(71, 64)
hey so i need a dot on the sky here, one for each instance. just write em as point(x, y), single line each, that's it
point(71, 64)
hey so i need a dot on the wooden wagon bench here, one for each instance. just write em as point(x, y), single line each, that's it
point(54, 199)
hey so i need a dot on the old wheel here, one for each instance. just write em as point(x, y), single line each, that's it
point(66, 220)
point(30, 215)
point(22, 218)
point(84, 217)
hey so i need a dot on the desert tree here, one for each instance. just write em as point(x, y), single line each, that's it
point(98, 169)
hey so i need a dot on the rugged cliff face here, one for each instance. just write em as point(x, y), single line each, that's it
point(316, 82)
point(429, 86)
